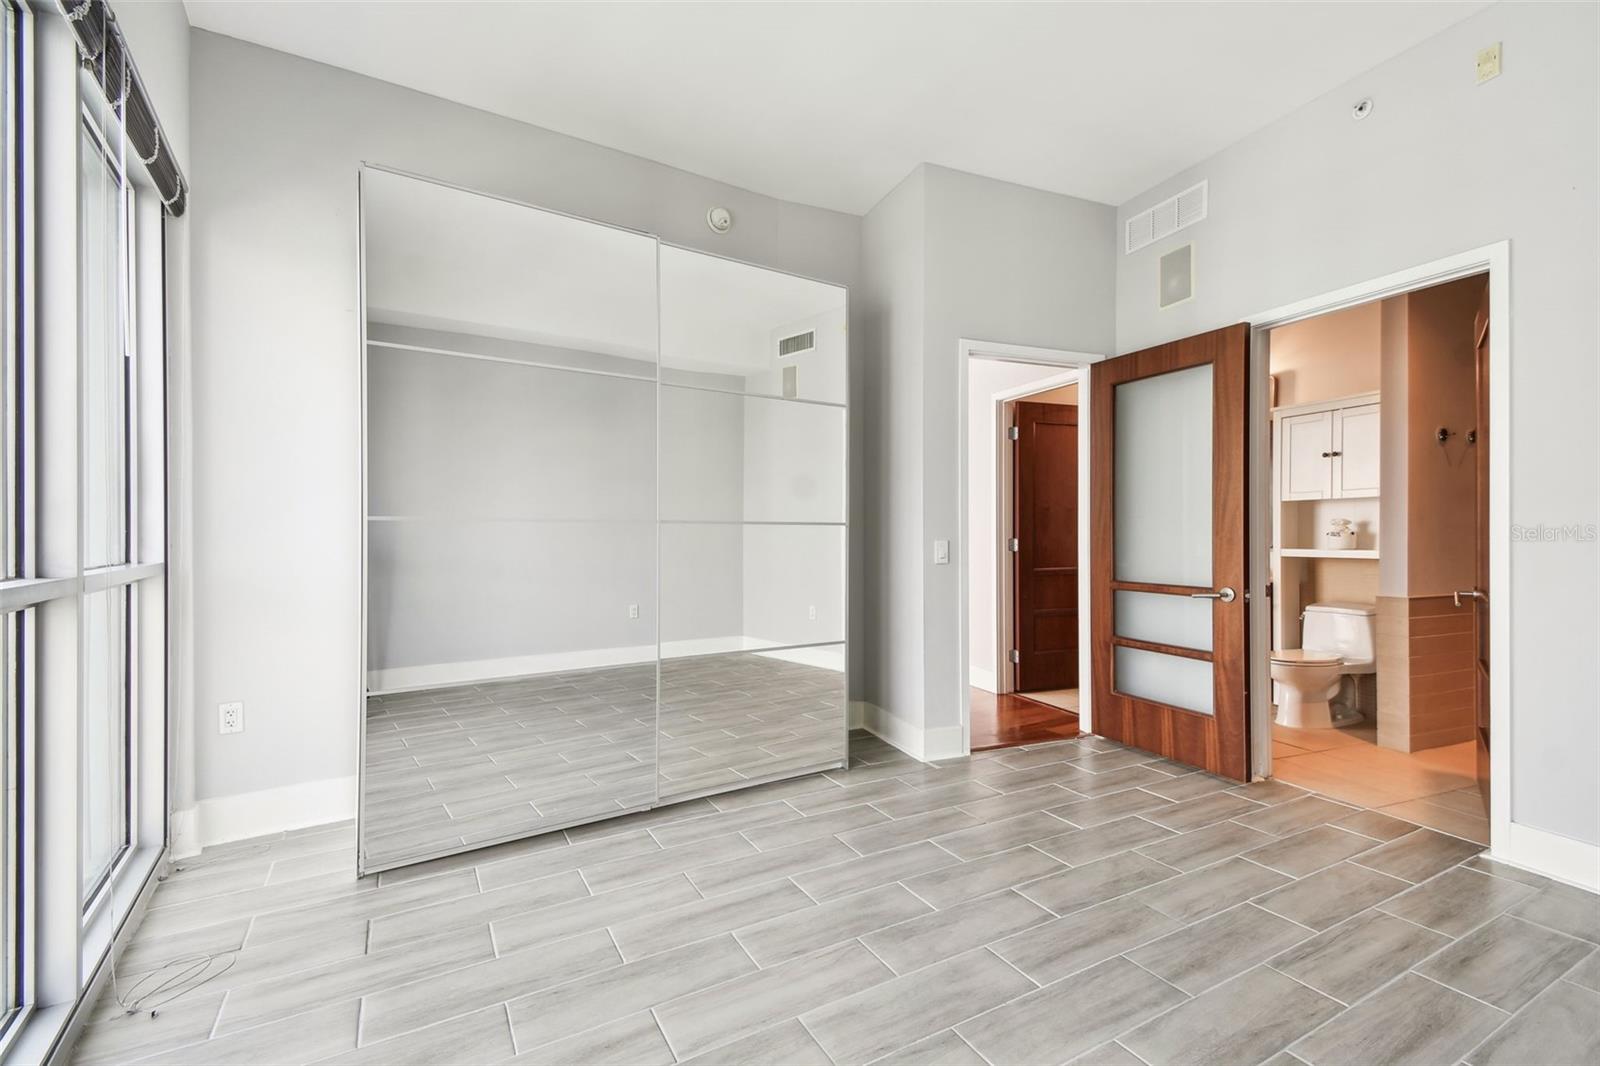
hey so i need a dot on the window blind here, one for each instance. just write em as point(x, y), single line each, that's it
point(104, 53)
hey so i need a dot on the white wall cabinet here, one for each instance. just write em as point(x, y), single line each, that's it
point(1307, 450)
point(1355, 459)
point(1325, 466)
point(1330, 453)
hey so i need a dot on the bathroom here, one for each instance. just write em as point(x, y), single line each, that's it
point(1379, 567)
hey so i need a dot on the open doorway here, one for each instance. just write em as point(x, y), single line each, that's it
point(1379, 555)
point(1021, 553)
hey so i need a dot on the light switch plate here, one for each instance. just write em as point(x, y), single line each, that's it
point(941, 553)
point(1489, 63)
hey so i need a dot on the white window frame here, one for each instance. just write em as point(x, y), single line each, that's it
point(67, 945)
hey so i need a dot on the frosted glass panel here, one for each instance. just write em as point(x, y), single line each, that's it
point(1164, 619)
point(731, 586)
point(739, 328)
point(1163, 478)
point(733, 458)
point(1170, 679)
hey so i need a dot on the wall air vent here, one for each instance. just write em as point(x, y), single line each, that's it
point(789, 347)
point(1166, 218)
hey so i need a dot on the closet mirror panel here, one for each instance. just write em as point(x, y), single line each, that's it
point(753, 510)
point(511, 553)
point(739, 328)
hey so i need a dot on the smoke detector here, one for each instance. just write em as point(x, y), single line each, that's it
point(720, 219)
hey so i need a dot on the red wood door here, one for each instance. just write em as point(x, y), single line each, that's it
point(1168, 486)
point(1045, 469)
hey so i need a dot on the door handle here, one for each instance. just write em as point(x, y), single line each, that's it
point(1225, 594)
point(1473, 594)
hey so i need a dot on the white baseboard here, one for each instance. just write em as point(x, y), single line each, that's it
point(1550, 854)
point(186, 833)
point(826, 656)
point(925, 745)
point(856, 714)
point(978, 677)
point(440, 675)
point(253, 814)
point(684, 649)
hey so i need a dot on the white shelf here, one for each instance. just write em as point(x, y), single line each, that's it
point(1328, 553)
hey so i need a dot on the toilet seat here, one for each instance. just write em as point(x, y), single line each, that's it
point(1302, 657)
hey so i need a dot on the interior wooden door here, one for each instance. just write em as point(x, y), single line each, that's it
point(1481, 601)
point(1168, 485)
point(1045, 469)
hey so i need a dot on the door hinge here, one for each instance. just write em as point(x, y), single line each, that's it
point(1016, 656)
point(1014, 433)
point(1013, 545)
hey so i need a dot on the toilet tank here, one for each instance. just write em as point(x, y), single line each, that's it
point(1346, 628)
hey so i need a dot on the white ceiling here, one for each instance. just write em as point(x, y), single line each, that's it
point(833, 104)
point(441, 258)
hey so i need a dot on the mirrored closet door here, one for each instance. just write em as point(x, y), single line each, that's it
point(752, 524)
point(604, 522)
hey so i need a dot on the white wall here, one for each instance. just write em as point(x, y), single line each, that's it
point(277, 144)
point(947, 256)
point(1317, 201)
point(1004, 263)
point(986, 379)
point(888, 531)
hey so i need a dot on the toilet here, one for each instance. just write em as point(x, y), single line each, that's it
point(1337, 654)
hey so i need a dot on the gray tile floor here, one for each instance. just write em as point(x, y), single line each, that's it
point(1074, 902)
point(458, 767)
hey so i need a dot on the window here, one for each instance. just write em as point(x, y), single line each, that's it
point(105, 225)
point(83, 814)
point(10, 623)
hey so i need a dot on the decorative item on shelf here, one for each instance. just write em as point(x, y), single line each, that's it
point(1342, 535)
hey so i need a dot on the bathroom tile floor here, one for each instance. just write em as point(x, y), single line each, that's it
point(1436, 788)
point(1025, 905)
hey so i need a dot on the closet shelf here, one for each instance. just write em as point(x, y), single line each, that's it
point(1328, 553)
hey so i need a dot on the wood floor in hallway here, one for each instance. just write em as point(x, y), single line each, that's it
point(1010, 720)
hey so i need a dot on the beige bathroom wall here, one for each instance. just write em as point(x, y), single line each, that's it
point(1441, 489)
point(1344, 581)
point(1327, 357)
point(1065, 394)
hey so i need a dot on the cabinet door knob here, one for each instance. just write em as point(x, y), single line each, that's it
point(1326, 455)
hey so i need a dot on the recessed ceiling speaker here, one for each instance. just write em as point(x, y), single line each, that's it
point(720, 219)
point(1177, 276)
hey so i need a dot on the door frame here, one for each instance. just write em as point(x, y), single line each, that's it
point(1080, 363)
point(1513, 843)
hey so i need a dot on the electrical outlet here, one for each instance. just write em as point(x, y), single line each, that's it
point(230, 717)
point(812, 613)
point(1489, 63)
point(633, 610)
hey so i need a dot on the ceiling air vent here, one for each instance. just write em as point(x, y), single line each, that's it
point(789, 347)
point(1166, 218)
